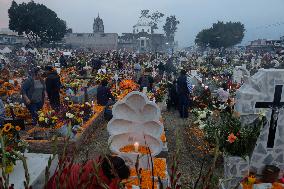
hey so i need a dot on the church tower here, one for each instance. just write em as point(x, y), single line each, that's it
point(98, 26)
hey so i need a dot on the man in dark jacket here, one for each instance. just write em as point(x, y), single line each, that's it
point(104, 94)
point(53, 86)
point(183, 94)
point(146, 80)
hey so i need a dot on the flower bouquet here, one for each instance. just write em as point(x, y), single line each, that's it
point(128, 84)
point(47, 119)
point(86, 111)
point(225, 129)
point(100, 77)
point(12, 144)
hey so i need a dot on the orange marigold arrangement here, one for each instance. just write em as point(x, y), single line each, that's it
point(163, 137)
point(128, 84)
point(145, 184)
point(160, 169)
point(9, 89)
point(131, 149)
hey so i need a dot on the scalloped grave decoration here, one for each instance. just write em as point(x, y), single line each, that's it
point(136, 113)
point(118, 141)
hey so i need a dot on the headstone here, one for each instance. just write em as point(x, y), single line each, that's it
point(263, 91)
point(240, 73)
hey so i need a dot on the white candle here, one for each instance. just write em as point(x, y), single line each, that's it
point(136, 147)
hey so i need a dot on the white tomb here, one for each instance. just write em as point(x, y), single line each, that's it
point(37, 164)
point(135, 119)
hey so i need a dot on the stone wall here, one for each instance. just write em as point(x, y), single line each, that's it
point(234, 170)
point(103, 41)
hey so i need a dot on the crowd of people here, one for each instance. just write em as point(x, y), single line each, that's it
point(42, 81)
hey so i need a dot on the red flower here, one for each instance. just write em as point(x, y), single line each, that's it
point(232, 138)
point(8, 149)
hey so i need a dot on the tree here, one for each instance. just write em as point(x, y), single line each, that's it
point(221, 35)
point(37, 22)
point(170, 27)
point(155, 18)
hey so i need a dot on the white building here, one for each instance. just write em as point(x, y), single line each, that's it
point(143, 26)
point(8, 37)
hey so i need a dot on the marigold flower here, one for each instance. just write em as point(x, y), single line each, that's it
point(7, 127)
point(18, 128)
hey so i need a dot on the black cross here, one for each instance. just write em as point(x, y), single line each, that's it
point(275, 106)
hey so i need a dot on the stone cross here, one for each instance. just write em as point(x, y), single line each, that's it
point(275, 106)
point(264, 90)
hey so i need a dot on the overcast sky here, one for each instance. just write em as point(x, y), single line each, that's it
point(262, 18)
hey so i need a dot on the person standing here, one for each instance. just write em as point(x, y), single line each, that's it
point(33, 92)
point(183, 94)
point(146, 80)
point(53, 86)
point(104, 94)
point(137, 70)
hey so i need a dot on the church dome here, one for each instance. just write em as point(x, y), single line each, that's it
point(143, 22)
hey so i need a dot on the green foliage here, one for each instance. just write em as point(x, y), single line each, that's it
point(155, 18)
point(221, 35)
point(37, 22)
point(225, 124)
point(170, 26)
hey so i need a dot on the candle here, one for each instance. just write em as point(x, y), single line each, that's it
point(136, 147)
point(206, 87)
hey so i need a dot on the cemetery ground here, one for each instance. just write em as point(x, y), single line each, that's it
point(181, 134)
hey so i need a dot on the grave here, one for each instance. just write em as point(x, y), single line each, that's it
point(37, 164)
point(91, 92)
point(136, 121)
point(45, 145)
point(263, 91)
point(240, 74)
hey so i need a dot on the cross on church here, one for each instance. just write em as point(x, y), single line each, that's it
point(275, 106)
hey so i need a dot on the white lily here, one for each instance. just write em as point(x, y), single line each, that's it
point(202, 115)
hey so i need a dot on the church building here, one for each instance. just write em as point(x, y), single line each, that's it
point(98, 40)
point(142, 39)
